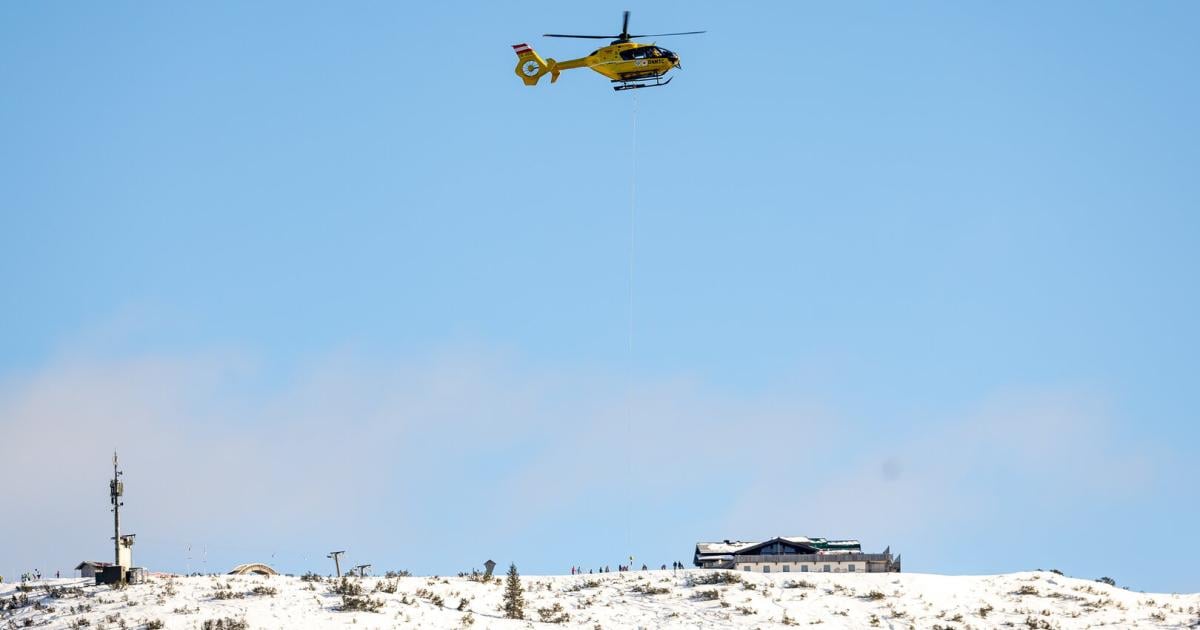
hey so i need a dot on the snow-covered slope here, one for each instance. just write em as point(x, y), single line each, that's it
point(647, 599)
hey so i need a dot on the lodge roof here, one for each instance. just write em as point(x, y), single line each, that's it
point(98, 565)
point(736, 547)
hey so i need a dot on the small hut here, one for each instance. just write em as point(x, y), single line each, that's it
point(89, 568)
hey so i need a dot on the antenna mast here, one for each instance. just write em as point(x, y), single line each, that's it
point(115, 489)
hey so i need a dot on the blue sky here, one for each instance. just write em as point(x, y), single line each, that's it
point(918, 274)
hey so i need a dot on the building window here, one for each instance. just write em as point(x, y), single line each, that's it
point(850, 568)
point(787, 568)
point(772, 550)
point(804, 568)
point(826, 569)
point(766, 568)
point(745, 567)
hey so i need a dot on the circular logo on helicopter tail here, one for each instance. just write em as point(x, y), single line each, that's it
point(530, 68)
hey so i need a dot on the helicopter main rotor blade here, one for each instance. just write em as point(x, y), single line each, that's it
point(625, 26)
point(666, 34)
point(582, 36)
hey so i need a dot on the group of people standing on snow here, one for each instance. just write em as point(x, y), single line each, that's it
point(675, 566)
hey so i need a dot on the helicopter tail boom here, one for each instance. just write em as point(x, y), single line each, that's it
point(531, 67)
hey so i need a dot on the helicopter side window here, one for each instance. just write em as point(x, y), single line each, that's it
point(637, 53)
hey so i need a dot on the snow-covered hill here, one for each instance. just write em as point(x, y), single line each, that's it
point(647, 599)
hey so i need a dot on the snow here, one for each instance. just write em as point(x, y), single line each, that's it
point(643, 599)
point(708, 549)
point(723, 548)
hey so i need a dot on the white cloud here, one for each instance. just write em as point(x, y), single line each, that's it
point(990, 467)
point(378, 453)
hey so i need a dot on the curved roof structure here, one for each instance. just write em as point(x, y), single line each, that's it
point(253, 568)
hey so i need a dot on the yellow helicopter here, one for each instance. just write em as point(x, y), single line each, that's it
point(625, 62)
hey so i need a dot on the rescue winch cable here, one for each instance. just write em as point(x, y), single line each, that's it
point(632, 363)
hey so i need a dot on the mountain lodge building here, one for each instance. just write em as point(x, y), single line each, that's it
point(794, 554)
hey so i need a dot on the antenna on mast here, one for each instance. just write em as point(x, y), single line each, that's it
point(116, 488)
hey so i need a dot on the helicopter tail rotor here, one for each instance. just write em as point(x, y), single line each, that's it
point(531, 67)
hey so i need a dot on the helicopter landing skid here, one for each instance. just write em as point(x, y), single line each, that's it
point(638, 84)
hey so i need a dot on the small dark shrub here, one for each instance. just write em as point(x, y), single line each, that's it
point(554, 614)
point(476, 576)
point(716, 577)
point(346, 586)
point(62, 592)
point(650, 589)
point(351, 603)
point(579, 586)
point(709, 595)
point(225, 623)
